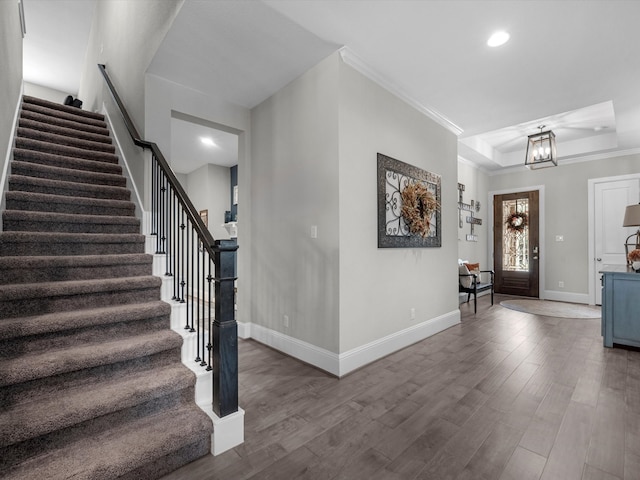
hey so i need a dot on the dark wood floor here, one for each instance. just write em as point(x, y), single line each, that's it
point(504, 395)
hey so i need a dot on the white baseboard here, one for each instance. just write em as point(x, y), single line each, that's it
point(308, 353)
point(137, 200)
point(4, 177)
point(358, 357)
point(244, 330)
point(341, 364)
point(565, 296)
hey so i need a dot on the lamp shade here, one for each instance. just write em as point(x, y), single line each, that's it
point(632, 216)
point(541, 150)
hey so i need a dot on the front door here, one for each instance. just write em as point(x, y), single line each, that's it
point(515, 243)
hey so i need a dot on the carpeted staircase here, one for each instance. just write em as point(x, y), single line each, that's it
point(91, 382)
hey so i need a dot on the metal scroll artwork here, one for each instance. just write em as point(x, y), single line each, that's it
point(408, 205)
point(471, 219)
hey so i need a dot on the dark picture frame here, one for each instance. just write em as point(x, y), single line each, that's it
point(393, 230)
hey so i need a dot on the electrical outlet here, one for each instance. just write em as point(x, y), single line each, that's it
point(314, 231)
point(285, 321)
point(413, 313)
point(561, 284)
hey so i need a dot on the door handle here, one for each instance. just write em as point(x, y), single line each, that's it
point(599, 259)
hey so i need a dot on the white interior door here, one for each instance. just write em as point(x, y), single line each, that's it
point(611, 198)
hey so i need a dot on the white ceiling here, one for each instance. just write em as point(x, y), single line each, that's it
point(188, 152)
point(572, 65)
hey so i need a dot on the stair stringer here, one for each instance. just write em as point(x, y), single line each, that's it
point(228, 432)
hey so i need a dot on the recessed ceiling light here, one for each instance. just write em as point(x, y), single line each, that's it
point(207, 141)
point(498, 38)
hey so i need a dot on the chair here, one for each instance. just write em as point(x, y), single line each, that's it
point(470, 283)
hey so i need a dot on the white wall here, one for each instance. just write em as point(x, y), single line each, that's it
point(208, 189)
point(10, 80)
point(314, 163)
point(380, 286)
point(566, 213)
point(45, 93)
point(475, 182)
point(294, 146)
point(125, 36)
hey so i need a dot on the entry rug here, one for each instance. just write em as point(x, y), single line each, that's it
point(553, 309)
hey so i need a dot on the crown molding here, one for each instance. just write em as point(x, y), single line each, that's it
point(358, 64)
point(570, 161)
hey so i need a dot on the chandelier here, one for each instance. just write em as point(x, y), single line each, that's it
point(541, 150)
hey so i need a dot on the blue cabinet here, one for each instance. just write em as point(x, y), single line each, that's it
point(620, 306)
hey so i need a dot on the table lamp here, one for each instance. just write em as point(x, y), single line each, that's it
point(632, 219)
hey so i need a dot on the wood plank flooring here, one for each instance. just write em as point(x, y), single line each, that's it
point(504, 395)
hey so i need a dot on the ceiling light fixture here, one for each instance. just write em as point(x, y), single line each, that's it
point(541, 150)
point(207, 141)
point(498, 38)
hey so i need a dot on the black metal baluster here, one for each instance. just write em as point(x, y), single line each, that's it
point(154, 168)
point(185, 295)
point(191, 283)
point(183, 259)
point(209, 319)
point(198, 330)
point(169, 231)
point(204, 300)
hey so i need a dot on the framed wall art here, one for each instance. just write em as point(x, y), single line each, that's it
point(408, 205)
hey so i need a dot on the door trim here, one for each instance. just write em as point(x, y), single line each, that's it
point(591, 250)
point(541, 223)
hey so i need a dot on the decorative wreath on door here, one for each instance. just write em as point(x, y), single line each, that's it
point(418, 206)
point(516, 222)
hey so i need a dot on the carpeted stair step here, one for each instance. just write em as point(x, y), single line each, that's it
point(70, 133)
point(61, 322)
point(62, 122)
point(57, 139)
point(51, 160)
point(37, 170)
point(43, 243)
point(65, 188)
point(26, 221)
point(80, 357)
point(62, 111)
point(34, 269)
point(26, 346)
point(40, 146)
point(128, 450)
point(73, 406)
point(38, 298)
point(40, 202)
point(42, 387)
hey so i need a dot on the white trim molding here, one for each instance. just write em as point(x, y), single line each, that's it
point(361, 356)
point(127, 171)
point(344, 363)
point(569, 297)
point(4, 178)
point(358, 64)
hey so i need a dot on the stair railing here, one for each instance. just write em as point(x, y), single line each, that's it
point(191, 256)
